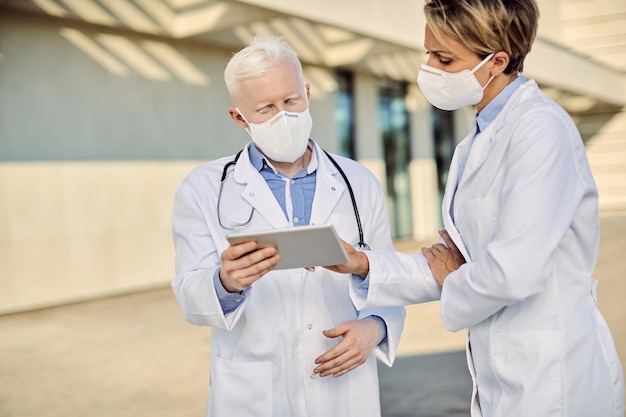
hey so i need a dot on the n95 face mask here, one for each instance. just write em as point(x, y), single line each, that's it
point(451, 90)
point(284, 137)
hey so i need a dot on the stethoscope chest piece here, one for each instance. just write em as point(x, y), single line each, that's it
point(362, 246)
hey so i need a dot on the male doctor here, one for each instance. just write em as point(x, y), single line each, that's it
point(271, 327)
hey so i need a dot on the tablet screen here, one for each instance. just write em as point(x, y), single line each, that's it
point(299, 247)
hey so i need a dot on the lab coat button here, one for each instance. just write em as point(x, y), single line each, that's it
point(310, 326)
point(332, 188)
point(312, 376)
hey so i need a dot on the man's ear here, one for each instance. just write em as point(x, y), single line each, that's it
point(237, 117)
point(500, 60)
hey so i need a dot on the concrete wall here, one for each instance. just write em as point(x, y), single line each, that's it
point(97, 129)
point(598, 29)
point(90, 156)
point(101, 116)
point(71, 231)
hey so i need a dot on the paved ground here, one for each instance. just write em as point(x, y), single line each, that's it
point(135, 356)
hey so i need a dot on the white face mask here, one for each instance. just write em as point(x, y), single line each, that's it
point(451, 90)
point(284, 137)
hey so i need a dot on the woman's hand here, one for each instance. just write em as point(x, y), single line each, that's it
point(443, 259)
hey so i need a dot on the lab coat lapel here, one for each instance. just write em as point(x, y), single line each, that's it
point(480, 148)
point(451, 186)
point(485, 141)
point(257, 193)
point(328, 189)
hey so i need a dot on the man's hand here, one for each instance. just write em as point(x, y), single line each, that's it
point(359, 338)
point(443, 260)
point(357, 264)
point(243, 264)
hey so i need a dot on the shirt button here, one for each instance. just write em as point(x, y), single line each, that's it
point(296, 220)
point(293, 181)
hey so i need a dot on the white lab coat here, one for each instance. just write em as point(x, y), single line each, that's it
point(526, 219)
point(262, 354)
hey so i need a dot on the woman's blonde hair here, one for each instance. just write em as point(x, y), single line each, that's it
point(486, 26)
point(256, 59)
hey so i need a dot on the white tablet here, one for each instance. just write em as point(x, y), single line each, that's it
point(299, 247)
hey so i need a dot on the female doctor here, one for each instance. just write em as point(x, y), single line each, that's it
point(520, 205)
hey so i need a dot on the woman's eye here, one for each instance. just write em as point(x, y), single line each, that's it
point(443, 60)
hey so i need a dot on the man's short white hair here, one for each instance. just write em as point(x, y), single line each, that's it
point(256, 59)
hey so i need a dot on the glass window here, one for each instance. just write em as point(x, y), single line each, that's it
point(443, 133)
point(394, 123)
point(344, 114)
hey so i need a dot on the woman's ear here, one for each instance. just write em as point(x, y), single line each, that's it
point(237, 117)
point(500, 60)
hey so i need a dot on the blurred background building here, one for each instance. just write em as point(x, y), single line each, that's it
point(105, 105)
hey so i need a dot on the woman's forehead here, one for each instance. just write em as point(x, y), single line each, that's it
point(441, 43)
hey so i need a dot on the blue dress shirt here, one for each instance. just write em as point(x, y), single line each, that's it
point(302, 190)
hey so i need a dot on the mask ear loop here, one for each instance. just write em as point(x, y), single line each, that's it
point(483, 62)
point(247, 129)
point(490, 79)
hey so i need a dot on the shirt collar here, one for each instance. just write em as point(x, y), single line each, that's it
point(259, 162)
point(491, 110)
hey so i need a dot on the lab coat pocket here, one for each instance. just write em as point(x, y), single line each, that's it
point(527, 367)
point(240, 389)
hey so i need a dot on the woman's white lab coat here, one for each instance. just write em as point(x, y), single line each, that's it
point(526, 220)
point(262, 354)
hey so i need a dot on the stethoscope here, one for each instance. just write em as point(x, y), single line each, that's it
point(360, 245)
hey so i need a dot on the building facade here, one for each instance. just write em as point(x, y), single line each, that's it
point(105, 105)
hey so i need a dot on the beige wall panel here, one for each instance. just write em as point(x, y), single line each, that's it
point(4, 209)
point(34, 202)
point(144, 259)
point(7, 293)
point(35, 274)
point(90, 200)
point(82, 230)
point(90, 267)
